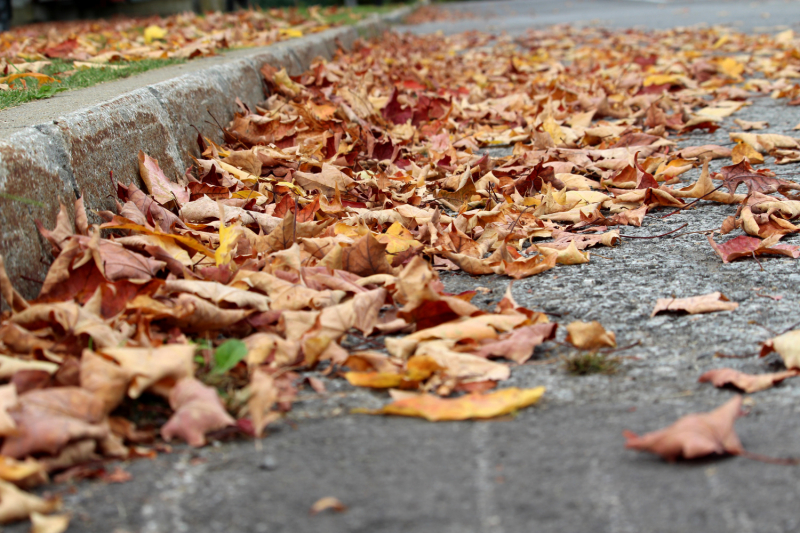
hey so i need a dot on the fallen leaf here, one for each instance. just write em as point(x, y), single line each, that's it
point(57, 523)
point(746, 382)
point(708, 303)
point(590, 336)
point(328, 503)
point(788, 347)
point(17, 505)
point(198, 410)
point(470, 406)
point(693, 436)
point(743, 246)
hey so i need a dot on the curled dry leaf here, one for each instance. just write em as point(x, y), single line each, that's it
point(788, 347)
point(57, 523)
point(743, 246)
point(198, 410)
point(328, 503)
point(693, 436)
point(17, 505)
point(708, 303)
point(154, 369)
point(749, 383)
point(518, 345)
point(590, 336)
point(470, 406)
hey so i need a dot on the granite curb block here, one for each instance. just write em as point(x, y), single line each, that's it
point(74, 155)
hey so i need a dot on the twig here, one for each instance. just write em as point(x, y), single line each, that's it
point(621, 348)
point(691, 204)
point(771, 460)
point(655, 236)
point(726, 356)
point(703, 232)
point(757, 261)
point(513, 224)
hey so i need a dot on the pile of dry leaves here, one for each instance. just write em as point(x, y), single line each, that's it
point(27, 50)
point(329, 210)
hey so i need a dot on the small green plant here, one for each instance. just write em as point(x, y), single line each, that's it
point(228, 354)
point(585, 363)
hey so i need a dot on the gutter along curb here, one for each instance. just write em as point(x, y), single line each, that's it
point(71, 155)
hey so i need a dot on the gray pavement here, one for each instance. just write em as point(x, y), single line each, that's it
point(559, 466)
point(517, 16)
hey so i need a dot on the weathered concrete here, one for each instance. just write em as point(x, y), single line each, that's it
point(55, 150)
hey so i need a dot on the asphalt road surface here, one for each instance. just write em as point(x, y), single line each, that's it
point(559, 466)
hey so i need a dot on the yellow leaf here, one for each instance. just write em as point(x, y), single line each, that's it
point(374, 380)
point(730, 67)
point(467, 407)
point(228, 236)
point(554, 130)
point(290, 32)
point(742, 151)
point(41, 78)
point(661, 79)
point(398, 239)
point(152, 33)
point(722, 40)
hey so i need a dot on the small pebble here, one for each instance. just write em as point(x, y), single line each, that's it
point(268, 463)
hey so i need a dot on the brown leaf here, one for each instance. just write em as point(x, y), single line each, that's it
point(590, 335)
point(328, 503)
point(720, 377)
point(154, 369)
point(518, 345)
point(263, 396)
point(48, 419)
point(708, 303)
point(470, 406)
point(198, 410)
point(106, 379)
point(366, 257)
point(756, 181)
point(743, 246)
point(57, 523)
point(18, 505)
point(289, 232)
point(693, 436)
point(161, 189)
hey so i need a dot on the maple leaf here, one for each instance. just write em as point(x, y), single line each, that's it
point(16, 504)
point(590, 335)
point(48, 419)
point(162, 190)
point(756, 181)
point(155, 369)
point(693, 436)
point(746, 382)
point(518, 345)
point(743, 246)
point(263, 397)
point(198, 410)
point(470, 406)
point(366, 257)
point(788, 347)
point(708, 303)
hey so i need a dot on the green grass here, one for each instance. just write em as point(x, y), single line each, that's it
point(31, 90)
point(26, 90)
point(352, 15)
point(583, 364)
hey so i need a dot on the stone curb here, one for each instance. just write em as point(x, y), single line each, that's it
point(72, 156)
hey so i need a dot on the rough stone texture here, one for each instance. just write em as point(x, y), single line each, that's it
point(107, 138)
point(31, 167)
point(196, 100)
